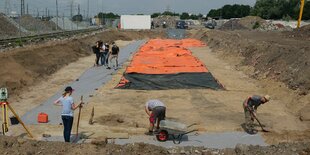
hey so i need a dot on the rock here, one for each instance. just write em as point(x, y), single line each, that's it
point(21, 140)
point(198, 152)
point(172, 151)
point(46, 135)
point(102, 141)
point(206, 152)
point(182, 152)
point(216, 152)
point(241, 148)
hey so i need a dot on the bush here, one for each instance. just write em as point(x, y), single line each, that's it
point(256, 25)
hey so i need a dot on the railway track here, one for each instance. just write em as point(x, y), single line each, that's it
point(29, 38)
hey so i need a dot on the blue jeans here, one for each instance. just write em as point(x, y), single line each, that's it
point(67, 123)
point(107, 59)
point(103, 58)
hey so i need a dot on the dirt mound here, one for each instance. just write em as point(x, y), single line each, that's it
point(250, 21)
point(116, 120)
point(302, 33)
point(170, 21)
point(270, 55)
point(233, 24)
point(6, 28)
point(14, 145)
point(25, 66)
point(32, 24)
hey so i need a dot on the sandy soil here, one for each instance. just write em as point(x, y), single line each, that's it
point(44, 89)
point(121, 112)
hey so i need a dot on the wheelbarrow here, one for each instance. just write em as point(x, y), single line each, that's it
point(173, 129)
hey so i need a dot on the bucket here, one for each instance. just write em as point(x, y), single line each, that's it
point(42, 118)
point(14, 120)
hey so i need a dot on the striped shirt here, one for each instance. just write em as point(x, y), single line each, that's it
point(151, 104)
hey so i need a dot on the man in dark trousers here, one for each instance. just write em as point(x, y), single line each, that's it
point(96, 50)
point(250, 106)
point(157, 112)
point(113, 56)
point(107, 53)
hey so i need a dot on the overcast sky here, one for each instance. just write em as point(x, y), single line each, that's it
point(122, 6)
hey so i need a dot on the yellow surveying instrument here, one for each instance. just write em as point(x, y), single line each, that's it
point(4, 106)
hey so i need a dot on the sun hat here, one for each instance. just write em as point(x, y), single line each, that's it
point(267, 97)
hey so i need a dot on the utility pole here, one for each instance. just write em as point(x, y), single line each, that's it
point(27, 9)
point(7, 7)
point(87, 9)
point(102, 13)
point(71, 9)
point(56, 15)
point(78, 9)
point(38, 14)
point(63, 21)
point(22, 7)
point(302, 4)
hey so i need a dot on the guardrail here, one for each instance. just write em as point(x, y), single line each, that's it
point(21, 40)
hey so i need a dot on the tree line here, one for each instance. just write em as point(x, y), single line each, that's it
point(183, 15)
point(267, 9)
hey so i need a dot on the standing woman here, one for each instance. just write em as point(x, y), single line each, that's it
point(68, 106)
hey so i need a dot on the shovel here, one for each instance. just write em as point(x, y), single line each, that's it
point(264, 130)
point(78, 121)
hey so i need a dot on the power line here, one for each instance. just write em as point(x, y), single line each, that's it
point(7, 7)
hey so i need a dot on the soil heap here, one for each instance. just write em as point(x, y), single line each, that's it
point(36, 25)
point(6, 28)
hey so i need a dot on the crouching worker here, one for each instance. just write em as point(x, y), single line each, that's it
point(157, 112)
point(68, 106)
point(250, 106)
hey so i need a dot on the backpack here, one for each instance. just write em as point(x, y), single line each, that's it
point(115, 49)
point(95, 49)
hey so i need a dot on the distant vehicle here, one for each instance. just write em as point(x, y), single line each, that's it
point(181, 24)
point(209, 25)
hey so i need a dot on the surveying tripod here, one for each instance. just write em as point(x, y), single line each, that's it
point(4, 104)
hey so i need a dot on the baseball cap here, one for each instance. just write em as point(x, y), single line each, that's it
point(69, 88)
point(267, 97)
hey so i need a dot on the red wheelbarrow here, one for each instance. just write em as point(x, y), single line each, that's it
point(173, 129)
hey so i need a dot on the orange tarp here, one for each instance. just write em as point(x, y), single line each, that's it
point(167, 56)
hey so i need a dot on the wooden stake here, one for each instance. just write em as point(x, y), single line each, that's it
point(91, 122)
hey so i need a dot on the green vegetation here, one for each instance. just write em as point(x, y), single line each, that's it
point(230, 11)
point(256, 25)
point(267, 9)
point(184, 15)
point(77, 18)
point(166, 13)
point(107, 15)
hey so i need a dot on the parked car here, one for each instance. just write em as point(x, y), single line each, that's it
point(181, 24)
point(210, 24)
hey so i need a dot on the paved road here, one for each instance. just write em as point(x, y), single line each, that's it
point(90, 80)
point(173, 33)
